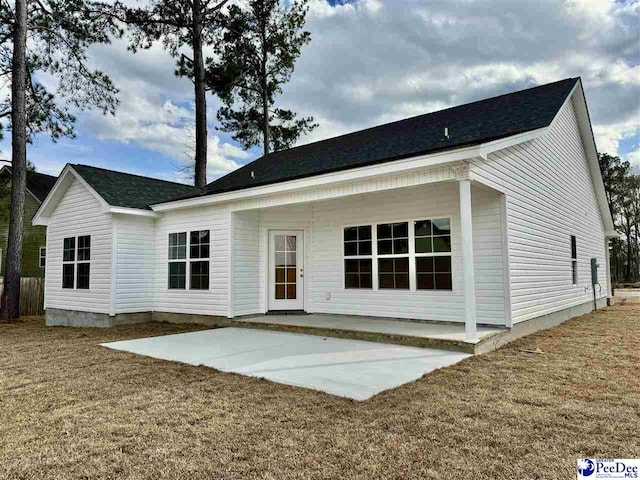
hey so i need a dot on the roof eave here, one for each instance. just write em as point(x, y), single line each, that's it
point(419, 161)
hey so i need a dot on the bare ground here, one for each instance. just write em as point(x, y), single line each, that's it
point(70, 409)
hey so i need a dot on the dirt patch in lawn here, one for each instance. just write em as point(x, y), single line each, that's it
point(70, 409)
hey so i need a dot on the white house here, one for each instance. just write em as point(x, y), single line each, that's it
point(483, 214)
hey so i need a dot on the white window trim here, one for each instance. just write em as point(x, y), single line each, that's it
point(188, 261)
point(76, 262)
point(412, 255)
point(41, 257)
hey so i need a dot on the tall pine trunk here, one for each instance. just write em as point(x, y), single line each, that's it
point(266, 134)
point(11, 293)
point(200, 98)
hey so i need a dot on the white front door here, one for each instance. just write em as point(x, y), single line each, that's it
point(286, 270)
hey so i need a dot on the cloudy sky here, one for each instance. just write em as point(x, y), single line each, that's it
point(374, 61)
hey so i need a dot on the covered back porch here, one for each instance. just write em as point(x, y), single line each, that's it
point(423, 259)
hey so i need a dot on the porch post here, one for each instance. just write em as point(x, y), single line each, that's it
point(470, 333)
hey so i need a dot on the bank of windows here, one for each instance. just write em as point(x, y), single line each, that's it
point(76, 262)
point(188, 257)
point(425, 244)
point(574, 260)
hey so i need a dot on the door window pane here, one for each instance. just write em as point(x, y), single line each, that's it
point(285, 267)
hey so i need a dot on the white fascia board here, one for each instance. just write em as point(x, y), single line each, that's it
point(360, 173)
point(134, 211)
point(494, 146)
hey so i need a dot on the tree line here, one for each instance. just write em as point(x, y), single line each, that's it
point(255, 46)
point(622, 187)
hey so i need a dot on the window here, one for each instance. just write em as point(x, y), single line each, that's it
point(358, 243)
point(433, 254)
point(43, 257)
point(197, 244)
point(574, 260)
point(76, 265)
point(177, 268)
point(393, 240)
point(415, 255)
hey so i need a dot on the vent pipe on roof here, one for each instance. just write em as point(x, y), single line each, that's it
point(253, 175)
point(446, 132)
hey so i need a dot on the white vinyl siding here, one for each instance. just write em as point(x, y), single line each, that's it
point(323, 224)
point(213, 301)
point(550, 196)
point(246, 261)
point(78, 214)
point(135, 254)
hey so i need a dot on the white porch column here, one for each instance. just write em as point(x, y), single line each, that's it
point(470, 333)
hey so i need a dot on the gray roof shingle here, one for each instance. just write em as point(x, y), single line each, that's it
point(132, 191)
point(469, 124)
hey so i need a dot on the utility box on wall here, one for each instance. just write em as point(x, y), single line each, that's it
point(594, 271)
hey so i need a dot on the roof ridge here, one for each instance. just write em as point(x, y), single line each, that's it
point(132, 175)
point(344, 135)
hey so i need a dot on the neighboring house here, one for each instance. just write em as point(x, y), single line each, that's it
point(487, 213)
point(34, 240)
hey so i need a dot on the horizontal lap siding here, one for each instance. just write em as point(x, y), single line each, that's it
point(246, 262)
point(135, 256)
point(210, 302)
point(550, 197)
point(426, 202)
point(79, 213)
point(488, 256)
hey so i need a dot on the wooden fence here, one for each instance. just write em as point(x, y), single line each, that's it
point(31, 295)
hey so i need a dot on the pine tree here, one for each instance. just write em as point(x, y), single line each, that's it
point(258, 50)
point(59, 33)
point(180, 25)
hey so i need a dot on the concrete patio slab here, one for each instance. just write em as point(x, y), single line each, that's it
point(347, 368)
point(432, 330)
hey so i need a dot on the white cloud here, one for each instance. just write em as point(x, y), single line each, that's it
point(374, 61)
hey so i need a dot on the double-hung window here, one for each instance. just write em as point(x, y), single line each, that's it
point(76, 262)
point(574, 260)
point(178, 260)
point(393, 255)
point(358, 257)
point(433, 254)
point(192, 249)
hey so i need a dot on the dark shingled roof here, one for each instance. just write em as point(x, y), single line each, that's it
point(132, 191)
point(469, 124)
point(39, 184)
